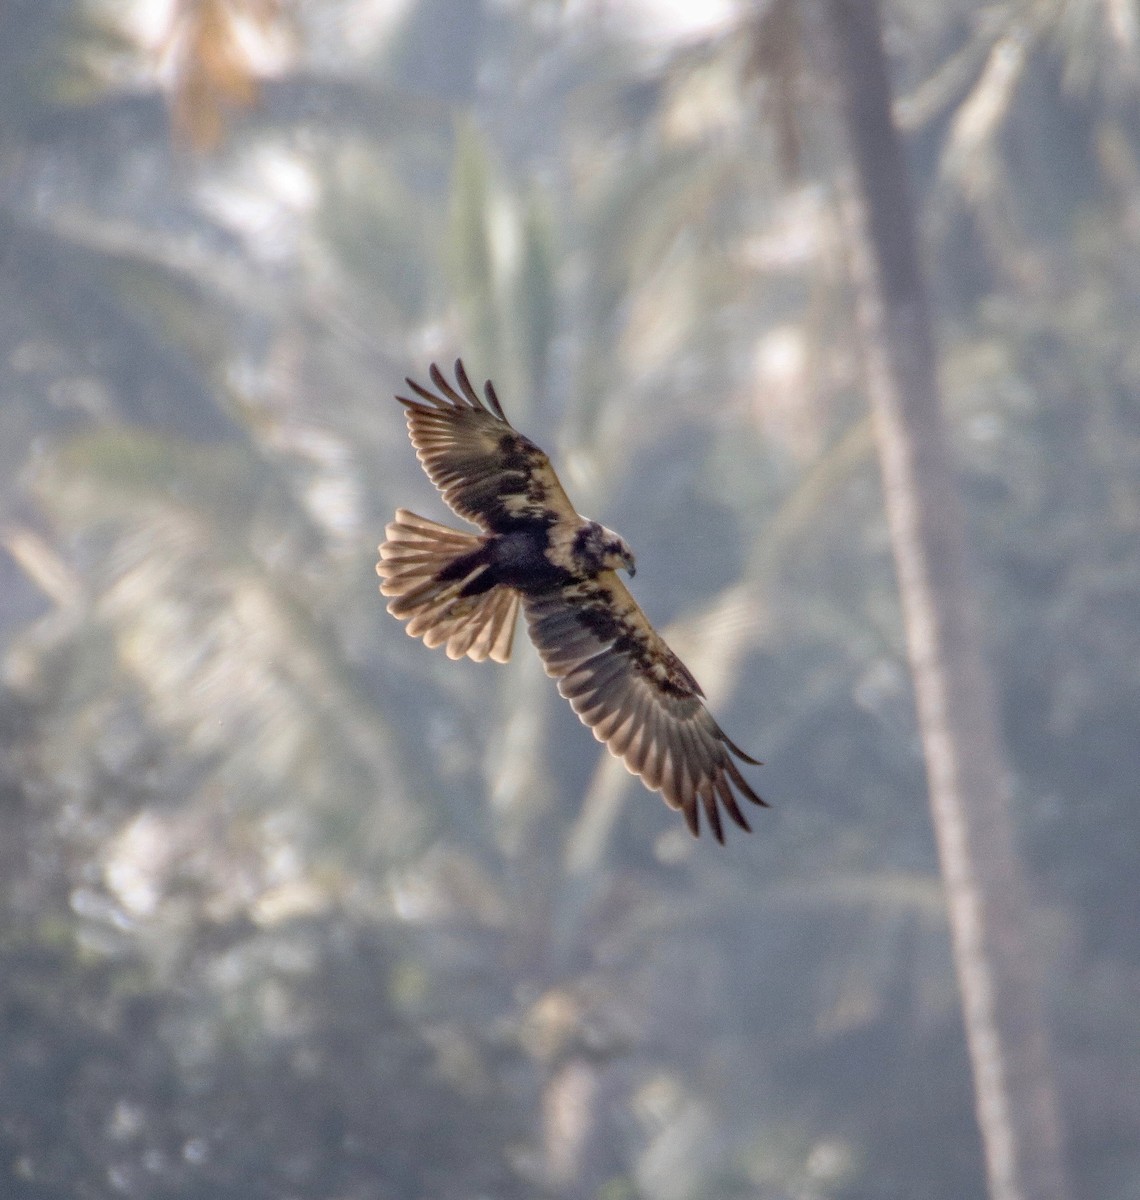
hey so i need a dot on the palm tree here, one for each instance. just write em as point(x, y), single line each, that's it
point(970, 804)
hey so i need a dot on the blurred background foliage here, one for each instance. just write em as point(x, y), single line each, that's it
point(291, 906)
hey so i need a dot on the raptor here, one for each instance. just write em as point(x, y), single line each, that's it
point(463, 591)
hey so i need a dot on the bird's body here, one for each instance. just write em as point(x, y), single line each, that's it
point(520, 558)
point(463, 591)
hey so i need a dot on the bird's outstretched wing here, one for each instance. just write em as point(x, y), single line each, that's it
point(486, 471)
point(638, 697)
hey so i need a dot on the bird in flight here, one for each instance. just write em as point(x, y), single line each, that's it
point(463, 590)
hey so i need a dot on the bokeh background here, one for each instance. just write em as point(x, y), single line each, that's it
point(292, 907)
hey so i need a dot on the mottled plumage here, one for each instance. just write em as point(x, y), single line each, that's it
point(463, 591)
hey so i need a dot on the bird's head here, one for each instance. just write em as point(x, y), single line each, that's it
point(609, 550)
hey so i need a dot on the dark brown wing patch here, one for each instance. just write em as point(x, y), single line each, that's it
point(638, 697)
point(486, 471)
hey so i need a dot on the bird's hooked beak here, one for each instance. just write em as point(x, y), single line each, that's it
point(615, 552)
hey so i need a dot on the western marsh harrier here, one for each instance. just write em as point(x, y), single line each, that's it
point(463, 590)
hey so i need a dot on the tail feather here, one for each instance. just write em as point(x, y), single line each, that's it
point(416, 553)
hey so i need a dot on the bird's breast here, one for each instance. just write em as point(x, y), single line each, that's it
point(518, 559)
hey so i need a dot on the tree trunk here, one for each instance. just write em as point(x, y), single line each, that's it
point(987, 905)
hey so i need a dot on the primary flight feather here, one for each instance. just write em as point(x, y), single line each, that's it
point(463, 590)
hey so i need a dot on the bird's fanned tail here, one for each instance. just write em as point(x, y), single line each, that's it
point(417, 570)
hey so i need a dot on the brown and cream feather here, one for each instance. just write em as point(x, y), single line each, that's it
point(625, 683)
point(485, 470)
point(480, 627)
